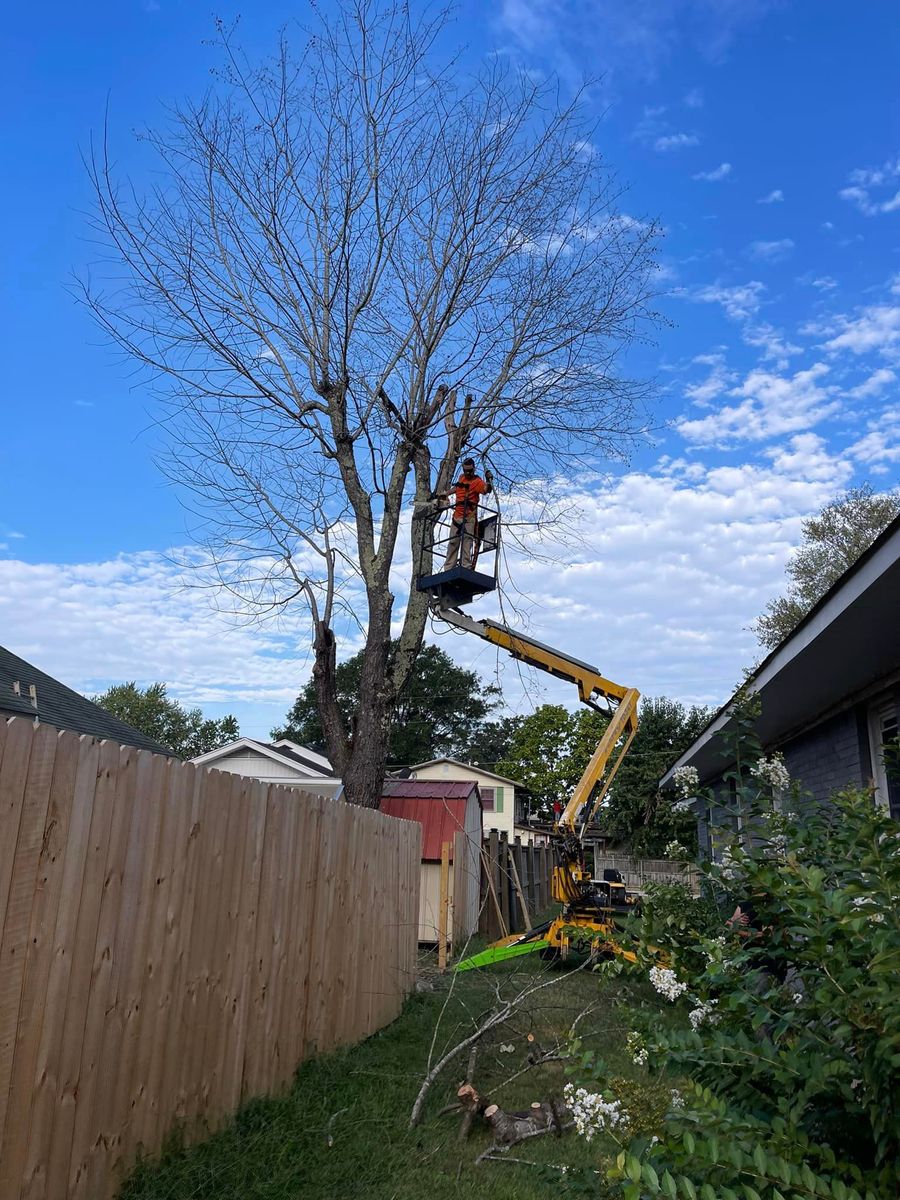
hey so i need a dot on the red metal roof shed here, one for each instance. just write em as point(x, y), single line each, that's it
point(438, 805)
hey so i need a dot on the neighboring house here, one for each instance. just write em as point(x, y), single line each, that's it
point(283, 762)
point(830, 692)
point(503, 801)
point(27, 692)
point(444, 808)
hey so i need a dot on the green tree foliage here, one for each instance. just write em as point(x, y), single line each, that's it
point(636, 813)
point(491, 744)
point(184, 730)
point(549, 751)
point(442, 709)
point(832, 541)
point(787, 1029)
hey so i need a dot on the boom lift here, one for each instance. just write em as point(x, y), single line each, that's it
point(587, 905)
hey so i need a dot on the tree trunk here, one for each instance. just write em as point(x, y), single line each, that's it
point(363, 770)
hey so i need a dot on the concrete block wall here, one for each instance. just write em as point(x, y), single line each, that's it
point(831, 756)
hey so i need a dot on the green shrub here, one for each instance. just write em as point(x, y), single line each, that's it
point(790, 1029)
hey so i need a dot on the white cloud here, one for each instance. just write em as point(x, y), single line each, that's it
point(655, 579)
point(865, 181)
point(774, 197)
point(634, 39)
point(876, 328)
point(722, 171)
point(824, 283)
point(94, 624)
point(881, 445)
point(694, 98)
point(772, 342)
point(675, 141)
point(875, 384)
point(771, 251)
point(770, 406)
point(739, 301)
point(717, 382)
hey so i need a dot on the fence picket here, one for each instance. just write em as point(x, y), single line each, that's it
point(174, 940)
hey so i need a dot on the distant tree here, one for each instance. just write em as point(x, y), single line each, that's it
point(184, 730)
point(550, 750)
point(635, 812)
point(832, 541)
point(441, 710)
point(492, 742)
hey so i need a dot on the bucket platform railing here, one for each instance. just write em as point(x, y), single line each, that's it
point(464, 558)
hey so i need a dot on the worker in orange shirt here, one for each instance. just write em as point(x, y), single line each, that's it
point(464, 497)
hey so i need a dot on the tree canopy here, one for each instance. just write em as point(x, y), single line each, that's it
point(441, 711)
point(635, 812)
point(184, 730)
point(354, 266)
point(549, 750)
point(832, 541)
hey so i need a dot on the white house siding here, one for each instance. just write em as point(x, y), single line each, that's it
point(260, 766)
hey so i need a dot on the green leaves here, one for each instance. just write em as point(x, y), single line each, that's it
point(795, 1078)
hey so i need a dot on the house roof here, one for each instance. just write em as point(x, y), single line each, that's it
point(433, 762)
point(843, 646)
point(439, 805)
point(304, 753)
point(283, 751)
point(62, 706)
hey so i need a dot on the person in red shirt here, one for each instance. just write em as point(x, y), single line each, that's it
point(464, 497)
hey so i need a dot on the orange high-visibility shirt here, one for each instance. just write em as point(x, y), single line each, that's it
point(467, 493)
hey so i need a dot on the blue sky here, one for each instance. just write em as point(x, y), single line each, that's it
point(764, 136)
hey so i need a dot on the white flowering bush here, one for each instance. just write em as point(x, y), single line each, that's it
point(788, 1028)
point(591, 1113)
point(667, 982)
point(772, 773)
point(634, 1044)
point(687, 782)
point(674, 849)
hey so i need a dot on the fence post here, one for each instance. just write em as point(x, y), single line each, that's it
point(507, 908)
point(515, 862)
point(528, 859)
point(444, 905)
point(494, 861)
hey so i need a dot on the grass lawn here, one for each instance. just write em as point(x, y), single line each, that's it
point(342, 1131)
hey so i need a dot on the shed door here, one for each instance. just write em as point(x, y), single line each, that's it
point(884, 738)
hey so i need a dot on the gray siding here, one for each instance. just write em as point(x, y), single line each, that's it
point(823, 760)
point(831, 756)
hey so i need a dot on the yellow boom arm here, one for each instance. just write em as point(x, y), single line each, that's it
point(620, 703)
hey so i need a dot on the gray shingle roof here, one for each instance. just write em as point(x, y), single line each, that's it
point(62, 706)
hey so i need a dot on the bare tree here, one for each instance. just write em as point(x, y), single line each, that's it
point(356, 266)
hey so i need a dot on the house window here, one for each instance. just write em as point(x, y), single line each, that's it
point(492, 799)
point(884, 743)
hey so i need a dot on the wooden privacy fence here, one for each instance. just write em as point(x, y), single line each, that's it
point(172, 941)
point(513, 873)
point(638, 872)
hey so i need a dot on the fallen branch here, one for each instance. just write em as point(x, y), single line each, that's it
point(497, 1017)
point(469, 1098)
point(498, 1148)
